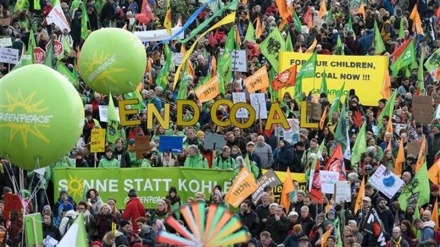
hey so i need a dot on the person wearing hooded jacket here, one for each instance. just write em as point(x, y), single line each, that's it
point(175, 201)
point(70, 213)
point(134, 209)
point(284, 157)
point(49, 229)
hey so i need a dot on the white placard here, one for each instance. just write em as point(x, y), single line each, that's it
point(437, 112)
point(9, 55)
point(328, 179)
point(56, 16)
point(386, 181)
point(292, 135)
point(398, 128)
point(258, 102)
point(237, 98)
point(239, 61)
point(6, 42)
point(103, 113)
point(342, 191)
point(177, 58)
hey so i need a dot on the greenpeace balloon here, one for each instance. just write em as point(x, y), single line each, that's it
point(113, 60)
point(41, 116)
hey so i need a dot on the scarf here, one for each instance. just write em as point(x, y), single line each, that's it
point(397, 243)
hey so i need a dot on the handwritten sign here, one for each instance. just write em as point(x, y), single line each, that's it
point(177, 58)
point(258, 102)
point(5, 42)
point(142, 144)
point(292, 135)
point(342, 191)
point(97, 143)
point(328, 179)
point(237, 98)
point(9, 55)
point(422, 110)
point(103, 113)
point(239, 60)
point(386, 181)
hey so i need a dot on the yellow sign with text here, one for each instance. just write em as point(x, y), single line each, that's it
point(365, 74)
point(97, 144)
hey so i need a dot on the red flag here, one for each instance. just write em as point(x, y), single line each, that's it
point(315, 190)
point(286, 79)
point(437, 12)
point(336, 163)
point(308, 18)
point(211, 39)
point(396, 54)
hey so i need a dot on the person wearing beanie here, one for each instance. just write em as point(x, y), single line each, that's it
point(293, 239)
point(133, 209)
point(385, 214)
point(433, 197)
point(124, 233)
point(253, 242)
point(59, 206)
point(69, 216)
point(175, 201)
point(96, 244)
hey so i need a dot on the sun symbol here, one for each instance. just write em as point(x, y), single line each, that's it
point(28, 106)
point(75, 186)
point(98, 60)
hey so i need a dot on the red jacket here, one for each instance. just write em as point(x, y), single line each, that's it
point(133, 210)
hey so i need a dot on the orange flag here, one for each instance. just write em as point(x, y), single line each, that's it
point(417, 22)
point(421, 158)
point(258, 28)
point(325, 237)
point(257, 81)
point(390, 127)
point(386, 88)
point(288, 187)
point(322, 8)
point(323, 117)
point(213, 65)
point(361, 10)
point(312, 46)
point(244, 185)
point(360, 196)
point(209, 90)
point(434, 172)
point(328, 207)
point(244, 2)
point(434, 215)
point(282, 8)
point(399, 159)
point(285, 79)
point(389, 146)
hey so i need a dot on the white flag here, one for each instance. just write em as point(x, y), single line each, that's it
point(56, 16)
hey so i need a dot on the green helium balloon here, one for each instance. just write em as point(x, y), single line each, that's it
point(113, 60)
point(41, 116)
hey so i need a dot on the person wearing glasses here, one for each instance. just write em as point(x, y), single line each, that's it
point(396, 239)
point(89, 219)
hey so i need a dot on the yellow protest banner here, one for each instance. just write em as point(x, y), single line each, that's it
point(365, 74)
point(97, 141)
point(208, 91)
point(258, 80)
point(243, 186)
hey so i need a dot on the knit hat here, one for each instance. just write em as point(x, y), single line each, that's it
point(131, 142)
point(379, 199)
point(434, 188)
point(67, 207)
point(332, 212)
point(96, 243)
point(132, 193)
point(297, 229)
point(123, 223)
point(200, 134)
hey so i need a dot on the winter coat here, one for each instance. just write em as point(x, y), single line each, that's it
point(104, 223)
point(278, 229)
point(51, 230)
point(251, 221)
point(133, 210)
point(284, 158)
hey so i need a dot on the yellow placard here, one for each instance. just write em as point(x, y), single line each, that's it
point(97, 141)
point(365, 74)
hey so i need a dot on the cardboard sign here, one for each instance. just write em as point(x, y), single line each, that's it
point(422, 109)
point(97, 141)
point(386, 181)
point(103, 113)
point(328, 179)
point(214, 141)
point(5, 22)
point(39, 55)
point(258, 102)
point(314, 111)
point(171, 144)
point(342, 191)
point(413, 148)
point(142, 144)
point(268, 179)
point(5, 42)
point(9, 55)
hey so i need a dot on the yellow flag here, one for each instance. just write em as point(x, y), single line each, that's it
point(258, 28)
point(209, 90)
point(322, 8)
point(417, 22)
point(312, 46)
point(167, 21)
point(228, 19)
point(257, 81)
point(434, 172)
point(361, 10)
point(434, 215)
point(421, 158)
point(325, 237)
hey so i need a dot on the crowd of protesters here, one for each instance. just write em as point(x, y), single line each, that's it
point(269, 224)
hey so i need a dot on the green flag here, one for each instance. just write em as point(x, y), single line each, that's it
point(66, 46)
point(162, 77)
point(183, 89)
point(350, 23)
point(66, 73)
point(418, 188)
point(224, 70)
point(289, 46)
point(273, 93)
point(401, 29)
point(297, 22)
point(28, 56)
point(329, 14)
point(20, 5)
point(84, 21)
point(360, 146)
point(341, 129)
point(406, 58)
point(136, 95)
point(336, 102)
point(378, 41)
point(250, 33)
point(387, 110)
point(339, 46)
point(76, 235)
point(307, 70)
point(230, 41)
point(50, 59)
point(420, 75)
point(272, 45)
point(324, 88)
point(113, 122)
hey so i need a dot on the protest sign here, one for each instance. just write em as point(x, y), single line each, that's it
point(239, 61)
point(386, 181)
point(103, 113)
point(268, 179)
point(292, 135)
point(141, 144)
point(214, 141)
point(5, 42)
point(171, 144)
point(422, 109)
point(398, 128)
point(313, 111)
point(151, 184)
point(57, 17)
point(413, 148)
point(9, 55)
point(177, 58)
point(39, 55)
point(365, 74)
point(258, 102)
point(158, 35)
point(437, 112)
point(328, 179)
point(33, 229)
point(237, 98)
point(342, 191)
point(97, 141)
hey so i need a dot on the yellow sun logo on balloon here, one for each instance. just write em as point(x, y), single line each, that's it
point(20, 113)
point(75, 186)
point(101, 68)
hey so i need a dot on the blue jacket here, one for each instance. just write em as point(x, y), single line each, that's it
point(366, 41)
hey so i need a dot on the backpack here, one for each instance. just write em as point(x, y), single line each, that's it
point(70, 222)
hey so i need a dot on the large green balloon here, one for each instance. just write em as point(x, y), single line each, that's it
point(41, 116)
point(113, 60)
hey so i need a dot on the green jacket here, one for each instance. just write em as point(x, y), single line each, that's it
point(196, 161)
point(229, 163)
point(253, 168)
point(146, 163)
point(113, 163)
point(134, 161)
